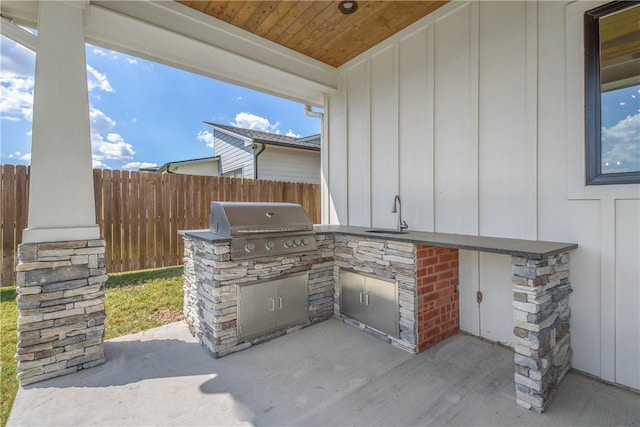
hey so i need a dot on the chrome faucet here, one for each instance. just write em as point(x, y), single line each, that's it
point(397, 208)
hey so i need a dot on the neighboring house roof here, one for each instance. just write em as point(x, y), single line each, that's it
point(307, 143)
point(166, 166)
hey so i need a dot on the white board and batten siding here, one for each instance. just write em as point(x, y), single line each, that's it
point(474, 115)
point(233, 154)
point(289, 164)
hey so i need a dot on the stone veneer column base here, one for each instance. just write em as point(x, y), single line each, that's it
point(61, 309)
point(542, 342)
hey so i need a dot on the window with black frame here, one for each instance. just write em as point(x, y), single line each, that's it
point(612, 93)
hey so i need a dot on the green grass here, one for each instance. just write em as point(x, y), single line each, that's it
point(143, 300)
point(8, 342)
point(134, 302)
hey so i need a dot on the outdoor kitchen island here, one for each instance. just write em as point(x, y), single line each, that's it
point(422, 269)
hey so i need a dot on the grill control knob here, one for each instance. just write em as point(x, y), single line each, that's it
point(249, 247)
point(305, 242)
point(270, 245)
point(288, 243)
point(297, 242)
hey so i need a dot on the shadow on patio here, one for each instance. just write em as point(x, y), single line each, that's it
point(328, 374)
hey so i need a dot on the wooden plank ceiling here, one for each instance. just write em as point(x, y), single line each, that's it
point(620, 49)
point(317, 28)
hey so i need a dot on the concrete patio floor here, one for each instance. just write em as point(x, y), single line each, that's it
point(330, 374)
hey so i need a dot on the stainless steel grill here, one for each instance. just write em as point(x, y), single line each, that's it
point(263, 229)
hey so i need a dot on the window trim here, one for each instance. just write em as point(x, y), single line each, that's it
point(592, 96)
point(235, 171)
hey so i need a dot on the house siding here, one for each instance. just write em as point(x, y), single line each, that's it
point(474, 116)
point(289, 164)
point(233, 153)
point(209, 168)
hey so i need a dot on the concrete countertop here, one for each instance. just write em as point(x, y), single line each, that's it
point(526, 248)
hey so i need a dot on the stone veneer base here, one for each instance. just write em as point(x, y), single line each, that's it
point(542, 342)
point(211, 283)
point(61, 310)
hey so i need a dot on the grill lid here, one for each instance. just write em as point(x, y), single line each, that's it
point(248, 218)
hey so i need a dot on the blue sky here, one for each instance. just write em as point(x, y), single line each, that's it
point(142, 113)
point(620, 119)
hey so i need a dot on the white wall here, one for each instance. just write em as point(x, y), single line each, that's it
point(475, 116)
point(233, 153)
point(289, 164)
point(206, 168)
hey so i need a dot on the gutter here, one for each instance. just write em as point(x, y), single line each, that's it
point(309, 112)
point(255, 157)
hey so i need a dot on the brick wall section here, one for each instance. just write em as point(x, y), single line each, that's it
point(437, 299)
point(61, 309)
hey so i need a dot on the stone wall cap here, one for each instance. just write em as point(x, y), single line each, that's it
point(204, 235)
point(535, 249)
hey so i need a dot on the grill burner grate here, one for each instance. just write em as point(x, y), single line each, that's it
point(263, 229)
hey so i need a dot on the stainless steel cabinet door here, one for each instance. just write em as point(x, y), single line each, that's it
point(382, 306)
point(352, 295)
point(257, 309)
point(292, 301)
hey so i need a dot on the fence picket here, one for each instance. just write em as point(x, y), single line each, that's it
point(7, 187)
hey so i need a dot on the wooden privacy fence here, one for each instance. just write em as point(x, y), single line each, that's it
point(140, 213)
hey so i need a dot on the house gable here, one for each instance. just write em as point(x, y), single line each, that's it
point(234, 153)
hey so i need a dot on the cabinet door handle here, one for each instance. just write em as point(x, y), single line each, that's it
point(279, 303)
point(366, 299)
point(273, 304)
point(361, 295)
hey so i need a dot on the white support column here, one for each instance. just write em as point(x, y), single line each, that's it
point(61, 199)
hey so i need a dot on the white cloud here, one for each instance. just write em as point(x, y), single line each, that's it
point(25, 157)
point(292, 134)
point(132, 61)
point(16, 59)
point(620, 144)
point(16, 97)
point(134, 120)
point(97, 80)
point(137, 165)
point(97, 164)
point(113, 147)
point(100, 122)
point(251, 121)
point(239, 98)
point(98, 51)
point(206, 137)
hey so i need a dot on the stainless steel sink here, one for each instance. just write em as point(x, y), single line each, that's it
point(381, 231)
